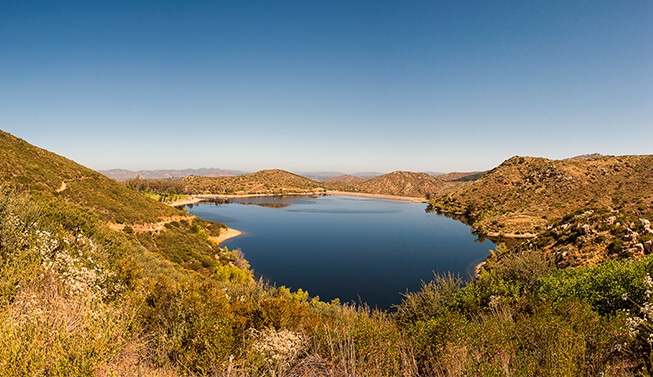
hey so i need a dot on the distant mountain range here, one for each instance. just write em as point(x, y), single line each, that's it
point(319, 176)
point(123, 174)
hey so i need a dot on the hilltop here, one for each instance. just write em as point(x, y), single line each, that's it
point(265, 182)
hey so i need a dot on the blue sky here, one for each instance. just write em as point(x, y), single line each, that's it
point(309, 85)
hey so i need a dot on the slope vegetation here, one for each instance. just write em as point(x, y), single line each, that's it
point(265, 182)
point(28, 168)
point(398, 183)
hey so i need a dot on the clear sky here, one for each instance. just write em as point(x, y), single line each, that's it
point(312, 85)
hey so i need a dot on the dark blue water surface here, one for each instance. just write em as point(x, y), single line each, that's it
point(354, 249)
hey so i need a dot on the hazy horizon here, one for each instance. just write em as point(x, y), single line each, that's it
point(327, 86)
point(315, 172)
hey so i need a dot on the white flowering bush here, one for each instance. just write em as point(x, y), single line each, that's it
point(639, 325)
point(276, 349)
point(53, 281)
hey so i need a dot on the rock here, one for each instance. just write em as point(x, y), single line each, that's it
point(585, 229)
point(638, 248)
point(645, 223)
point(648, 246)
point(610, 220)
point(633, 236)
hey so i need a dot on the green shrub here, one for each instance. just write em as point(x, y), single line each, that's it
point(604, 286)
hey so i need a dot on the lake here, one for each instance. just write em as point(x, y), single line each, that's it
point(351, 248)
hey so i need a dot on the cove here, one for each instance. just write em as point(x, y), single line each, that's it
point(355, 249)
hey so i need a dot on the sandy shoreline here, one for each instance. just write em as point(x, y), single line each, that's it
point(377, 196)
point(186, 201)
point(199, 198)
point(226, 234)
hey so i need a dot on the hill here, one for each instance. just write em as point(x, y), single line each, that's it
point(28, 168)
point(343, 179)
point(265, 182)
point(61, 186)
point(526, 196)
point(398, 183)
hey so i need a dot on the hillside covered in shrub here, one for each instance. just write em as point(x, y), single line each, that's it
point(580, 210)
point(99, 280)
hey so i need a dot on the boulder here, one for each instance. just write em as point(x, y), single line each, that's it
point(633, 236)
point(648, 246)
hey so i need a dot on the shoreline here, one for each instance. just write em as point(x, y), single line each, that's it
point(377, 196)
point(226, 234)
point(478, 268)
point(194, 199)
point(203, 197)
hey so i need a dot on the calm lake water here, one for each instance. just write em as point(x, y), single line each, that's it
point(355, 249)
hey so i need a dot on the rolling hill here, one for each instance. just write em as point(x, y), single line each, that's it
point(265, 182)
point(398, 183)
point(585, 209)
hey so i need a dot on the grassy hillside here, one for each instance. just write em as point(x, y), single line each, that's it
point(28, 168)
point(97, 280)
